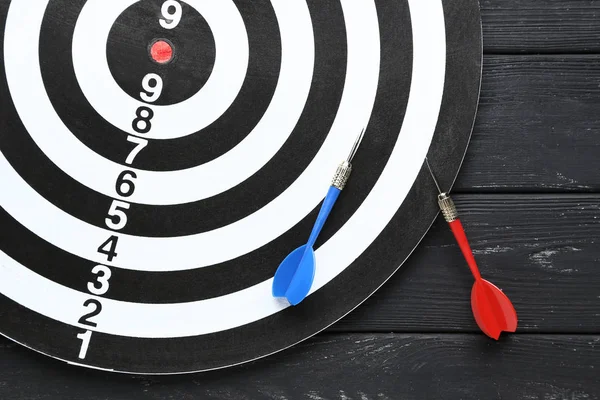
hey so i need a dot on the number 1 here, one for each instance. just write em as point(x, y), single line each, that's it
point(85, 343)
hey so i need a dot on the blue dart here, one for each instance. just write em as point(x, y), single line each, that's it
point(295, 274)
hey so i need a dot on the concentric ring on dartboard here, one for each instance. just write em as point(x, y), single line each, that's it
point(230, 241)
point(250, 269)
point(138, 45)
point(162, 155)
point(240, 201)
point(169, 122)
point(387, 244)
point(254, 303)
point(177, 187)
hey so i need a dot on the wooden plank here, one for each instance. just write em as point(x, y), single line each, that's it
point(542, 250)
point(549, 26)
point(537, 127)
point(344, 367)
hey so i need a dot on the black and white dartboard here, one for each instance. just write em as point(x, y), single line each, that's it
point(160, 158)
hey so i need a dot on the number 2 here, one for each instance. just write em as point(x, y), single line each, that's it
point(86, 317)
point(171, 19)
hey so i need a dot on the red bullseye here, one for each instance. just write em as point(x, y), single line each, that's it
point(161, 52)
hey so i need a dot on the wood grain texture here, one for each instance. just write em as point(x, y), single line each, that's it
point(537, 128)
point(344, 367)
point(549, 26)
point(542, 250)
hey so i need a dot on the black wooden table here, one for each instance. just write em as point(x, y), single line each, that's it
point(529, 196)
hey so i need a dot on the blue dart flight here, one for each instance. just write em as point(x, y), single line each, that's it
point(295, 274)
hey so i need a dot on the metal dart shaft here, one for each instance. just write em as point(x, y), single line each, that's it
point(433, 176)
point(356, 145)
point(345, 168)
point(445, 203)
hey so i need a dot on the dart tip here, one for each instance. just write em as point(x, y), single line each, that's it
point(356, 145)
point(433, 176)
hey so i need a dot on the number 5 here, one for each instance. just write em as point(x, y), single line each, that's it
point(171, 19)
point(120, 215)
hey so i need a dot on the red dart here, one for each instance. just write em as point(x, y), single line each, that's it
point(493, 311)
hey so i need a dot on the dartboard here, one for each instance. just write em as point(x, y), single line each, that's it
point(159, 159)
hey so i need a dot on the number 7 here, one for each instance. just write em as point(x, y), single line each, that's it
point(141, 143)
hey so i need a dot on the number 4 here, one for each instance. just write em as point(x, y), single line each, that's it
point(141, 143)
point(110, 252)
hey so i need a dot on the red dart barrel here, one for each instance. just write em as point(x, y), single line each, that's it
point(451, 215)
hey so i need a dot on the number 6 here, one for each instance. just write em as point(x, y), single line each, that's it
point(125, 187)
point(171, 19)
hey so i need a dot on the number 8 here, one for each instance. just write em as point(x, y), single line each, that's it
point(147, 125)
point(171, 20)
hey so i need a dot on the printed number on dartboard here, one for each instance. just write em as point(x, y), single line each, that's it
point(142, 123)
point(116, 220)
point(117, 217)
point(152, 85)
point(93, 307)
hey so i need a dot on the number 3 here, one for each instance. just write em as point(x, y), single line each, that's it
point(171, 19)
point(102, 280)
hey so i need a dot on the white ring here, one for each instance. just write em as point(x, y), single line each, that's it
point(254, 303)
point(173, 121)
point(160, 188)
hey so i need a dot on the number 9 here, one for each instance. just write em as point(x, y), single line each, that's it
point(171, 20)
point(155, 91)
